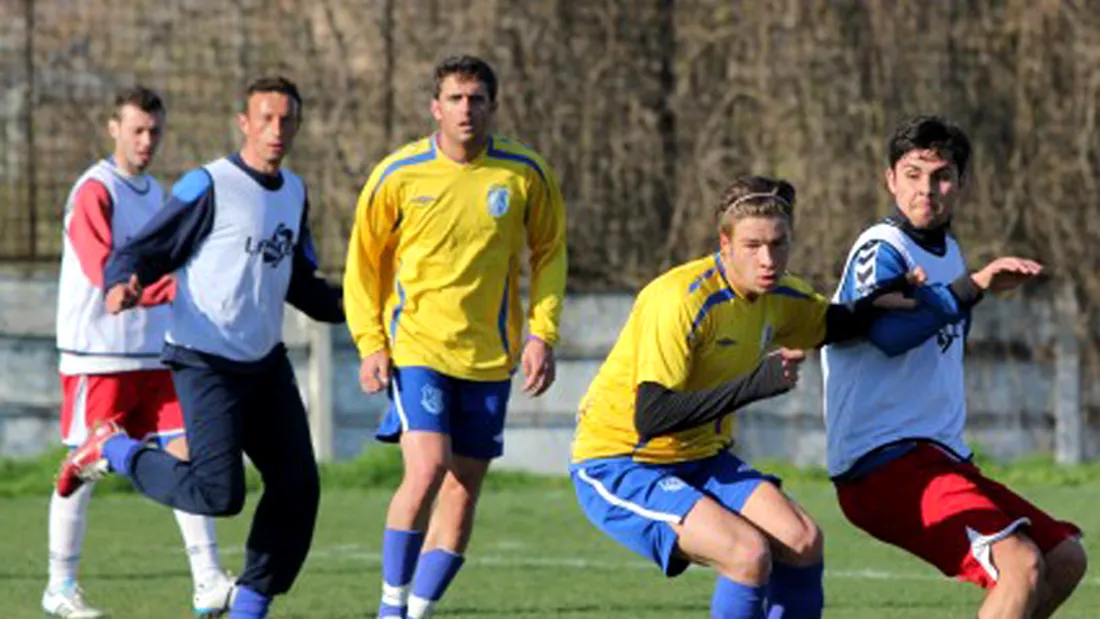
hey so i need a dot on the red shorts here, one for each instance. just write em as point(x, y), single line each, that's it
point(946, 512)
point(144, 403)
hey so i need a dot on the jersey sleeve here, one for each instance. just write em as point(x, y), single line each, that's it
point(663, 339)
point(875, 264)
point(802, 322)
point(308, 291)
point(166, 242)
point(369, 261)
point(89, 229)
point(159, 292)
point(549, 263)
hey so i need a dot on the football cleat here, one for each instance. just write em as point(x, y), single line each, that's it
point(213, 596)
point(86, 463)
point(68, 601)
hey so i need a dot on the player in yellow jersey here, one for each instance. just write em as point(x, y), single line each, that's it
point(651, 460)
point(432, 297)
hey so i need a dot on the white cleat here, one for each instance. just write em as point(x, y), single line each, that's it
point(213, 596)
point(68, 601)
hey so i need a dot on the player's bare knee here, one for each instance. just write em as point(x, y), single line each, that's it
point(458, 495)
point(808, 545)
point(746, 558)
point(1018, 558)
point(424, 476)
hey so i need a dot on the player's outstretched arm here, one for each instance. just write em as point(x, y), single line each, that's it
point(659, 410)
point(896, 333)
point(165, 243)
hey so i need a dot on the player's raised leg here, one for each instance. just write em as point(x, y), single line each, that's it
point(796, 589)
point(714, 536)
point(1019, 567)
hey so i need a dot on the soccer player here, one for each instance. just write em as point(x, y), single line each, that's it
point(432, 287)
point(895, 403)
point(235, 232)
point(110, 367)
point(651, 461)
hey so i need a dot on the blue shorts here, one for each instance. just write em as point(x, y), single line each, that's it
point(471, 412)
point(636, 503)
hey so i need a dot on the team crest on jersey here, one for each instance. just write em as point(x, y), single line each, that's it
point(431, 398)
point(274, 249)
point(499, 196)
point(672, 484)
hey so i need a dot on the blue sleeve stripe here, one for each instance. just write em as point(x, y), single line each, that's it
point(192, 186)
point(496, 153)
point(787, 291)
point(397, 312)
point(309, 252)
point(698, 281)
point(401, 163)
point(717, 298)
point(502, 315)
point(305, 238)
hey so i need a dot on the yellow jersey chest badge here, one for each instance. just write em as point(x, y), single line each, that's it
point(498, 199)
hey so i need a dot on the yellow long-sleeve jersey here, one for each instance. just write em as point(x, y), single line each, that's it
point(434, 258)
point(690, 330)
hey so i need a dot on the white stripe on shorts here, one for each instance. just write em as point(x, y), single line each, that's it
point(627, 505)
point(981, 546)
point(397, 403)
point(78, 424)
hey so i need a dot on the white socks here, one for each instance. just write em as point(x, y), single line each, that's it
point(419, 608)
point(68, 518)
point(201, 545)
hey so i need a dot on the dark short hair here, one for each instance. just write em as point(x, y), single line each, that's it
point(273, 83)
point(140, 97)
point(469, 67)
point(930, 133)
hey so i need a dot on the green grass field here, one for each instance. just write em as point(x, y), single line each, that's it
point(533, 555)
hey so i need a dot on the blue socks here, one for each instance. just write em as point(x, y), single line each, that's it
point(733, 600)
point(119, 452)
point(436, 570)
point(400, 550)
point(249, 604)
point(796, 592)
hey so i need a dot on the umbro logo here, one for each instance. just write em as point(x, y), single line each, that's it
point(725, 341)
point(672, 484)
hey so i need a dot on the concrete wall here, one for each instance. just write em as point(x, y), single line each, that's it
point(1011, 384)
